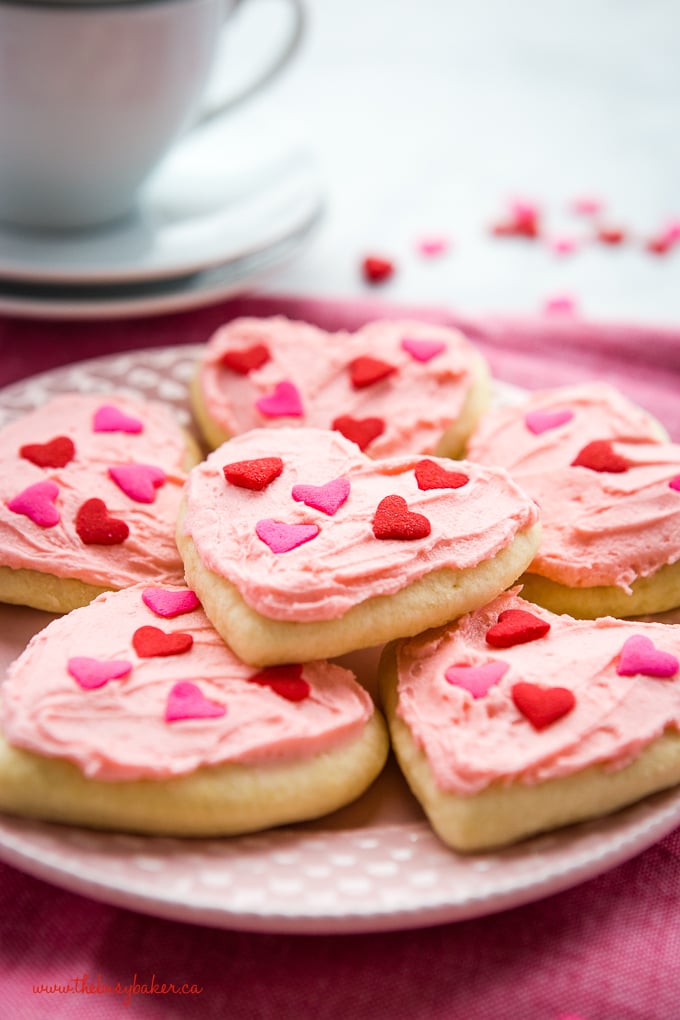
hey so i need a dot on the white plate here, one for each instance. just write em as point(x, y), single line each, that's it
point(113, 301)
point(376, 865)
point(216, 198)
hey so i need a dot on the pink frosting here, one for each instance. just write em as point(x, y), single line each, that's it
point(152, 456)
point(417, 402)
point(471, 741)
point(608, 529)
point(343, 564)
point(599, 527)
point(598, 411)
point(171, 714)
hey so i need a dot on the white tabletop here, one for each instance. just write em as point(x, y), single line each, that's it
point(430, 117)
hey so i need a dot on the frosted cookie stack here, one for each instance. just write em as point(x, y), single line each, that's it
point(329, 518)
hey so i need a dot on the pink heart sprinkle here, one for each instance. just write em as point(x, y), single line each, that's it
point(108, 418)
point(284, 402)
point(524, 211)
point(542, 421)
point(170, 603)
point(423, 350)
point(639, 655)
point(587, 205)
point(281, 537)
point(328, 498)
point(564, 245)
point(92, 673)
point(671, 232)
point(432, 246)
point(138, 481)
point(37, 503)
point(477, 679)
point(675, 483)
point(560, 304)
point(186, 701)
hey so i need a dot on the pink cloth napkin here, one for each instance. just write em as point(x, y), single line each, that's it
point(644, 361)
point(606, 950)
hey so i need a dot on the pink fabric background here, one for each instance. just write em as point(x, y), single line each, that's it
point(606, 950)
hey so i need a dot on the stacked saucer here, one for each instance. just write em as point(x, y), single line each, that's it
point(202, 231)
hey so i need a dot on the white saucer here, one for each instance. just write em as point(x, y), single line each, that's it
point(217, 198)
point(114, 301)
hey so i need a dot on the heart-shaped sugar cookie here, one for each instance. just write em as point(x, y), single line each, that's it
point(392, 387)
point(90, 487)
point(335, 529)
point(502, 730)
point(604, 480)
point(255, 740)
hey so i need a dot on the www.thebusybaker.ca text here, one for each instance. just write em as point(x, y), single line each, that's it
point(84, 986)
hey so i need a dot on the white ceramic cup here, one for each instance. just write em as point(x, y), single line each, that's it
point(92, 96)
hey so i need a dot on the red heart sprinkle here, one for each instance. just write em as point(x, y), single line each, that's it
point(393, 519)
point(516, 627)
point(377, 269)
point(253, 474)
point(57, 453)
point(600, 456)
point(433, 476)
point(659, 245)
point(542, 706)
point(611, 235)
point(247, 359)
point(95, 526)
point(517, 227)
point(365, 371)
point(361, 431)
point(286, 681)
point(503, 228)
point(151, 641)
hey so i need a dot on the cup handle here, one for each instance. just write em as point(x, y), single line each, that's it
point(288, 48)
